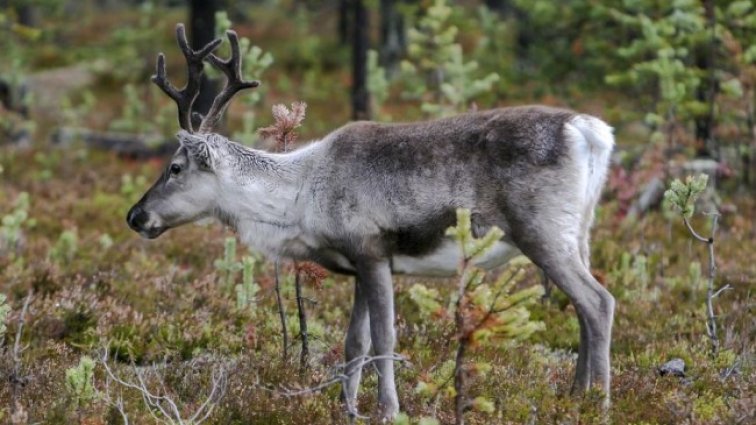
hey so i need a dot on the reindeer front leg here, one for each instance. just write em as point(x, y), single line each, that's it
point(357, 345)
point(375, 279)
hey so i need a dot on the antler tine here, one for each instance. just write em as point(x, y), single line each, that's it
point(235, 82)
point(185, 97)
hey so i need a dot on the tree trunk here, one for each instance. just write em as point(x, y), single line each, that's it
point(202, 26)
point(393, 37)
point(502, 7)
point(27, 15)
point(343, 27)
point(360, 44)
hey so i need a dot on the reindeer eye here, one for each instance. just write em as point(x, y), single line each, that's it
point(175, 169)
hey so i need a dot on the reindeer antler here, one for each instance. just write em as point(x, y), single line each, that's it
point(235, 83)
point(185, 97)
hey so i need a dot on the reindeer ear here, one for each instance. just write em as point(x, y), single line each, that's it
point(199, 148)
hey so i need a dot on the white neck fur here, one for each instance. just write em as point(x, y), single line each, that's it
point(259, 197)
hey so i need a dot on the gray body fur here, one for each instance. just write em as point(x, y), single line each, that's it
point(374, 199)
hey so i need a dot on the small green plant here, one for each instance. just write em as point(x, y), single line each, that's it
point(682, 197)
point(12, 225)
point(105, 241)
point(403, 419)
point(65, 248)
point(74, 113)
point(631, 276)
point(248, 289)
point(80, 382)
point(132, 187)
point(46, 162)
point(228, 266)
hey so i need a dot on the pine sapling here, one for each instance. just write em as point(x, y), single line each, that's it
point(80, 383)
point(485, 311)
point(682, 197)
point(228, 266)
point(248, 289)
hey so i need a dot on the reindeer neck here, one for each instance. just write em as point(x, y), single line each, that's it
point(260, 199)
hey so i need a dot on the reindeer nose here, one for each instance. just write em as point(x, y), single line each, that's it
point(137, 217)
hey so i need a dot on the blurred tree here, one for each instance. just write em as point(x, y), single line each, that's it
point(707, 91)
point(503, 7)
point(360, 45)
point(691, 61)
point(202, 31)
point(563, 42)
point(343, 23)
point(436, 71)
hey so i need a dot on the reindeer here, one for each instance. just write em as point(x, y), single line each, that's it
point(373, 199)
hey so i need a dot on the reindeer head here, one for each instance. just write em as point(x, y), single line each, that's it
point(186, 190)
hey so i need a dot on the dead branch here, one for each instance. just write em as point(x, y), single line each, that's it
point(281, 314)
point(168, 410)
point(15, 377)
point(304, 354)
point(339, 375)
